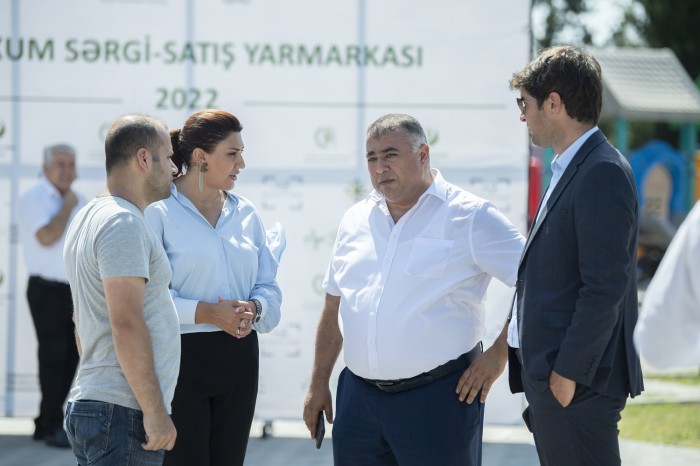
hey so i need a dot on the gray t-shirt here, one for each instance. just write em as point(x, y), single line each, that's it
point(109, 238)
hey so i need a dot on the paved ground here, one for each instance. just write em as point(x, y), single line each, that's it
point(289, 446)
point(660, 391)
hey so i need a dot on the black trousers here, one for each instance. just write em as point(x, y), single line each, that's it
point(51, 307)
point(584, 433)
point(214, 399)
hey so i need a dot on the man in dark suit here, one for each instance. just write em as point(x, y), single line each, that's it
point(569, 336)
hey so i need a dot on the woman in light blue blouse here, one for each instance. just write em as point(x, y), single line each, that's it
point(223, 286)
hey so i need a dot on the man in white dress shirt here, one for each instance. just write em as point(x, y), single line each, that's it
point(45, 211)
point(408, 276)
point(668, 331)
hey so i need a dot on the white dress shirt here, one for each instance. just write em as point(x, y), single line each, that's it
point(412, 293)
point(232, 260)
point(36, 208)
point(668, 332)
point(558, 165)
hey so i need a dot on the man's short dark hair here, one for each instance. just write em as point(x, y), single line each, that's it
point(130, 133)
point(392, 122)
point(572, 73)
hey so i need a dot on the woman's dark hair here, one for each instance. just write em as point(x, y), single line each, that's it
point(205, 129)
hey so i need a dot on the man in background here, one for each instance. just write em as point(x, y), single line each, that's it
point(45, 211)
point(668, 332)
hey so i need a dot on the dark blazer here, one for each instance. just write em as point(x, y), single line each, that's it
point(577, 279)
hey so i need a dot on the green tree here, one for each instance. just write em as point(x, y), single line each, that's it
point(657, 24)
point(672, 24)
point(650, 23)
point(561, 17)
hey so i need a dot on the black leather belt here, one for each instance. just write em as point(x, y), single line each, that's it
point(401, 385)
point(519, 355)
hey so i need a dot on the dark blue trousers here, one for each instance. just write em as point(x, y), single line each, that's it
point(584, 433)
point(424, 426)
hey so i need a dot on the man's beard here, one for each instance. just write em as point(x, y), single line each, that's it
point(156, 187)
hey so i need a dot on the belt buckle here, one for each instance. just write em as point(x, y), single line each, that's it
point(388, 383)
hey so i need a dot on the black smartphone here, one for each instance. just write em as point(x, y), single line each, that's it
point(320, 429)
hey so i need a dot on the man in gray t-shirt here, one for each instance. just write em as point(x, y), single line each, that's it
point(127, 329)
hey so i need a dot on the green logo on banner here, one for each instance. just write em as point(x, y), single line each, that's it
point(324, 137)
point(357, 190)
point(432, 136)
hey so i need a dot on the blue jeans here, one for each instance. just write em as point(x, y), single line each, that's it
point(106, 434)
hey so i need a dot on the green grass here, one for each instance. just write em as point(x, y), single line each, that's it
point(667, 423)
point(684, 379)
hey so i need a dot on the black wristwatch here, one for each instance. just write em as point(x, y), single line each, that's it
point(258, 310)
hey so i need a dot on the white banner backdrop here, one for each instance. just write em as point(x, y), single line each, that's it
point(305, 78)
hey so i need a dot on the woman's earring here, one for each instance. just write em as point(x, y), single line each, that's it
point(202, 168)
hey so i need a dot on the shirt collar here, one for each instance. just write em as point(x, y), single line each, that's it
point(438, 187)
point(50, 188)
point(229, 194)
point(562, 160)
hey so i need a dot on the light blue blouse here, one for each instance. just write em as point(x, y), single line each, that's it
point(233, 260)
